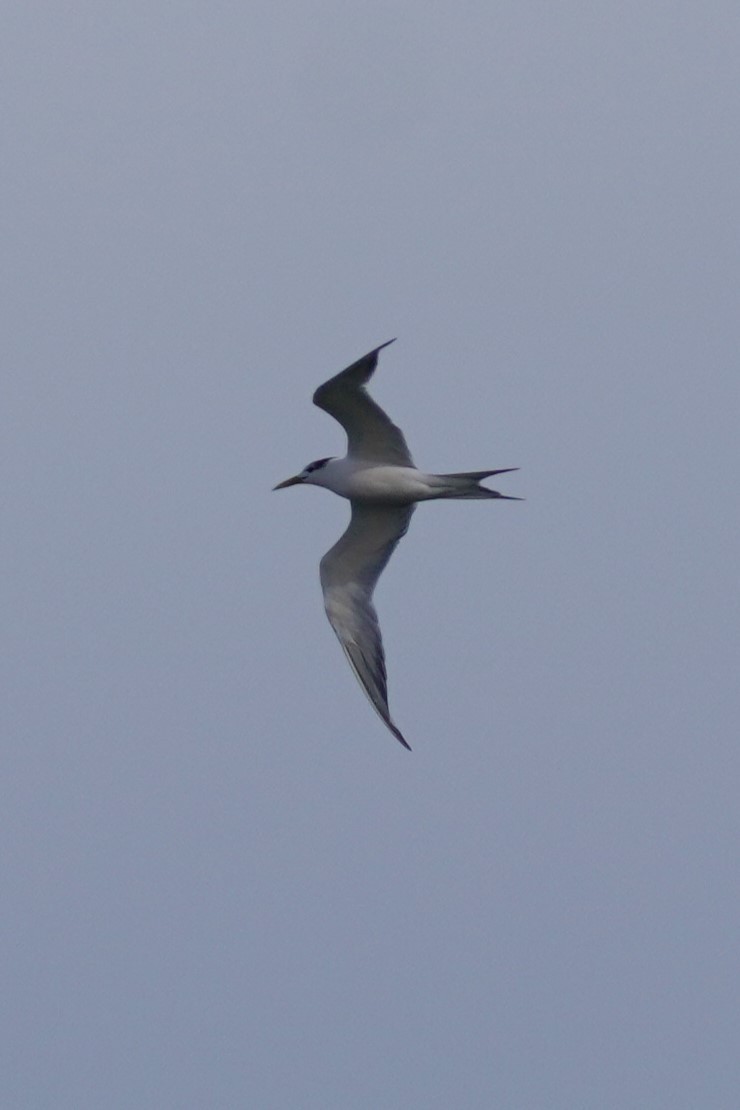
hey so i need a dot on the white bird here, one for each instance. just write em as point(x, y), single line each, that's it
point(379, 479)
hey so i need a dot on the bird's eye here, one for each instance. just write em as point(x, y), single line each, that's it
point(316, 465)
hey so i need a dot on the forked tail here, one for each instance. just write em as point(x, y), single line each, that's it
point(467, 484)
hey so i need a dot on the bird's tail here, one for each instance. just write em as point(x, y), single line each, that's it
point(467, 484)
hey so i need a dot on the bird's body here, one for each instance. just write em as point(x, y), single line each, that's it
point(379, 479)
point(358, 480)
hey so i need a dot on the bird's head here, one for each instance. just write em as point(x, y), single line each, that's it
point(307, 476)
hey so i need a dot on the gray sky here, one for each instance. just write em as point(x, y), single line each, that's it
point(224, 883)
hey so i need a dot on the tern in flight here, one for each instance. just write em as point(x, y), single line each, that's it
point(382, 485)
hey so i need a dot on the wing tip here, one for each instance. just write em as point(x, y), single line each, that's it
point(372, 356)
point(399, 736)
point(382, 345)
point(366, 366)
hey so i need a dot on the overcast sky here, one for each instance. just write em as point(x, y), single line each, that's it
point(224, 884)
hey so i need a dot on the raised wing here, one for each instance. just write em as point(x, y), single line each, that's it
point(371, 435)
point(349, 573)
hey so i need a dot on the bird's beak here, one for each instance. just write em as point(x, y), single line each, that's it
point(296, 481)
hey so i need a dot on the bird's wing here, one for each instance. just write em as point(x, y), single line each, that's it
point(349, 572)
point(371, 435)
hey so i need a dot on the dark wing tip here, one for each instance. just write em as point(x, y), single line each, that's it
point(382, 345)
point(396, 732)
point(371, 356)
point(401, 740)
point(357, 375)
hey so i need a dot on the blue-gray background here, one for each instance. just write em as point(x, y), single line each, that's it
point(224, 884)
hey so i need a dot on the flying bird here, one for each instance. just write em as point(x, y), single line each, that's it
point(382, 485)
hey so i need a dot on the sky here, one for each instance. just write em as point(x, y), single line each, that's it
point(224, 884)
